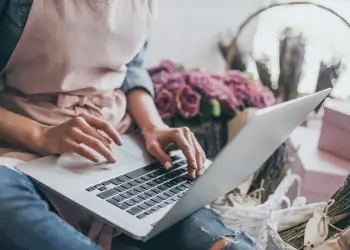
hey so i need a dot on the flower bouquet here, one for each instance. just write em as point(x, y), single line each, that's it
point(205, 102)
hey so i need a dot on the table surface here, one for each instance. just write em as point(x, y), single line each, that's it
point(306, 141)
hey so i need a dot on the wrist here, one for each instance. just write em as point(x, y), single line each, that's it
point(39, 137)
point(153, 127)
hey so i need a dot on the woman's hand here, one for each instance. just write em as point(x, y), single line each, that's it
point(158, 139)
point(78, 135)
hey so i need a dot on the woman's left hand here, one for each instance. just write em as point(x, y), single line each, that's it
point(158, 140)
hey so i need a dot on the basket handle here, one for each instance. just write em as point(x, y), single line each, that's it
point(232, 48)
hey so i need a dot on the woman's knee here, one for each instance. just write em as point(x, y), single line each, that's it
point(239, 241)
point(15, 190)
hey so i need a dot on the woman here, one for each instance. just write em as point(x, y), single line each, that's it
point(65, 88)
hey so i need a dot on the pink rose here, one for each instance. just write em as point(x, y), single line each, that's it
point(187, 102)
point(168, 66)
point(261, 96)
point(238, 84)
point(165, 102)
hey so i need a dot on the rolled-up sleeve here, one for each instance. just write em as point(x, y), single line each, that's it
point(137, 76)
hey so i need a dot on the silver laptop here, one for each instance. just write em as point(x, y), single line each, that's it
point(142, 199)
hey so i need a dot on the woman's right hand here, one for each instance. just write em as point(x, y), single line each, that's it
point(78, 135)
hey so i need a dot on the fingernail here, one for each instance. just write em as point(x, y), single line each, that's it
point(114, 160)
point(167, 165)
point(96, 158)
point(192, 175)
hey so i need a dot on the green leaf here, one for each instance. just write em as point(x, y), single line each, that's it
point(210, 108)
point(180, 68)
point(216, 107)
point(249, 75)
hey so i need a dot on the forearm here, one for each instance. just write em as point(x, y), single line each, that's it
point(142, 108)
point(20, 130)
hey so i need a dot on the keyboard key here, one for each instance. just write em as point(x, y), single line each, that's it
point(188, 184)
point(179, 164)
point(164, 178)
point(158, 181)
point(169, 201)
point(98, 185)
point(118, 198)
point(139, 189)
point(175, 190)
point(156, 200)
point(150, 193)
point(148, 212)
point(153, 166)
point(150, 203)
point(105, 183)
point(133, 183)
point(169, 194)
point(113, 201)
point(126, 195)
point(115, 181)
point(168, 184)
point(144, 196)
point(157, 190)
point(175, 157)
point(160, 172)
point(137, 173)
point(175, 198)
point(123, 178)
point(102, 188)
point(107, 194)
point(130, 203)
point(90, 189)
point(122, 206)
point(141, 216)
point(139, 180)
point(152, 175)
point(119, 189)
point(162, 196)
point(181, 188)
point(163, 205)
point(134, 210)
point(126, 186)
point(137, 199)
point(162, 187)
point(132, 192)
point(146, 177)
point(146, 186)
point(144, 206)
point(180, 195)
point(152, 183)
point(156, 208)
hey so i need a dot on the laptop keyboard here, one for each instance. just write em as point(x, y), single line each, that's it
point(145, 190)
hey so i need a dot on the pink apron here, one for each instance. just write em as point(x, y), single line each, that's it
point(71, 58)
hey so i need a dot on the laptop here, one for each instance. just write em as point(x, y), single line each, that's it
point(139, 197)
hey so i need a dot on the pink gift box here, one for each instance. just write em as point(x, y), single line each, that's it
point(335, 133)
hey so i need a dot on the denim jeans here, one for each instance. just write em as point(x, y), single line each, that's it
point(27, 223)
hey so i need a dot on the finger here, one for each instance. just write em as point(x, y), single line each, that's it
point(75, 147)
point(156, 150)
point(185, 147)
point(191, 172)
point(105, 237)
point(95, 229)
point(108, 139)
point(93, 143)
point(200, 155)
point(104, 126)
point(87, 129)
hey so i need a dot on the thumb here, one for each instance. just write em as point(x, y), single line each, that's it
point(156, 150)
